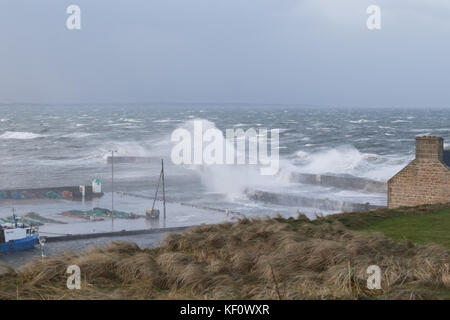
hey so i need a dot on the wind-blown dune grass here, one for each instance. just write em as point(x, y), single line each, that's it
point(248, 259)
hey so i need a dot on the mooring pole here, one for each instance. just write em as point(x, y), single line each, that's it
point(157, 189)
point(164, 190)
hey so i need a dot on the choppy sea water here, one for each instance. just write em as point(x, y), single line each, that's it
point(64, 145)
point(47, 146)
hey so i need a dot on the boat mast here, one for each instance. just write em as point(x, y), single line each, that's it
point(156, 193)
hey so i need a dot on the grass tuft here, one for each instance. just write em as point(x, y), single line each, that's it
point(276, 258)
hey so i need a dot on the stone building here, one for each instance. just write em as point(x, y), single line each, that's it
point(426, 179)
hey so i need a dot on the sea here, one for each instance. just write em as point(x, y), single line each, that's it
point(68, 145)
point(44, 146)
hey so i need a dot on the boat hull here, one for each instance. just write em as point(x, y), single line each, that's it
point(20, 244)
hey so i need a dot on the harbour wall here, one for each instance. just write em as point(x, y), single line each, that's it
point(301, 201)
point(347, 183)
point(70, 237)
point(67, 193)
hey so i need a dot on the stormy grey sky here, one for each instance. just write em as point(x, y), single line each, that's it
point(255, 51)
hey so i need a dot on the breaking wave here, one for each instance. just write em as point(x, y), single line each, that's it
point(346, 159)
point(18, 135)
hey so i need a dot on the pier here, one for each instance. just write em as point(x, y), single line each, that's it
point(348, 183)
point(82, 236)
point(303, 201)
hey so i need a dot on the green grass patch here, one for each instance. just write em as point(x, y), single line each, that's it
point(422, 224)
point(433, 227)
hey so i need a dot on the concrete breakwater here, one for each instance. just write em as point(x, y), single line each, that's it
point(68, 193)
point(348, 183)
point(122, 233)
point(302, 201)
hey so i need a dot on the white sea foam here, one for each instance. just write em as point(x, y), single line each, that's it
point(19, 135)
point(229, 180)
point(77, 135)
point(423, 133)
point(130, 120)
point(232, 180)
point(127, 148)
point(430, 130)
point(346, 159)
point(166, 120)
point(362, 121)
point(302, 155)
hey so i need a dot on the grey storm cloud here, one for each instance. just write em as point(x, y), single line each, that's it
point(261, 51)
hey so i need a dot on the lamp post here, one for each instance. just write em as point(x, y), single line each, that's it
point(112, 186)
point(164, 190)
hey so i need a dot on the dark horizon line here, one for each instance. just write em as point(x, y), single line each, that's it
point(203, 104)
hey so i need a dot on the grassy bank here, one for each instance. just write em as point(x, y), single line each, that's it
point(422, 225)
point(425, 224)
point(433, 228)
point(260, 259)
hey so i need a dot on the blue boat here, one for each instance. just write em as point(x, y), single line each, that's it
point(17, 236)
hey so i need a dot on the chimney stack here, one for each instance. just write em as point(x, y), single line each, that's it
point(429, 148)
